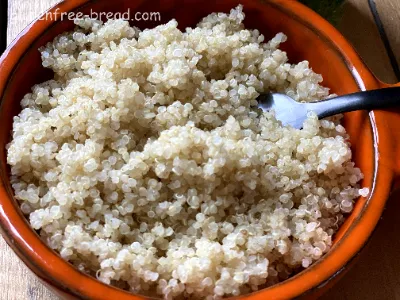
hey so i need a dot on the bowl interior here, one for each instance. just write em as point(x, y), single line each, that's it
point(304, 43)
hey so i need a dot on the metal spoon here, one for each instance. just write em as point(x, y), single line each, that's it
point(293, 113)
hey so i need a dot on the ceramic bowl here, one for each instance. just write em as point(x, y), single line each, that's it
point(374, 135)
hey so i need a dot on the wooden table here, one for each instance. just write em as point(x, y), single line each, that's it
point(377, 272)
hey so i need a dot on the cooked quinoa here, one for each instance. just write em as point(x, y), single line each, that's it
point(145, 163)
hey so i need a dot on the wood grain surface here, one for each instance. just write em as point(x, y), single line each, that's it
point(376, 274)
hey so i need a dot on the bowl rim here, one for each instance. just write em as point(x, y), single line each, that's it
point(63, 276)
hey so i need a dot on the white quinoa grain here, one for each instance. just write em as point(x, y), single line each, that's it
point(145, 164)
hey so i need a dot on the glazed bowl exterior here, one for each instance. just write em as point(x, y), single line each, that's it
point(374, 135)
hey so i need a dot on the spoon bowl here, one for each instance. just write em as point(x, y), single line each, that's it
point(286, 109)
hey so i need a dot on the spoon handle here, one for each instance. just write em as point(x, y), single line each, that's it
point(368, 100)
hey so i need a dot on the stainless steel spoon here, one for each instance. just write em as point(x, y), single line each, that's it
point(293, 113)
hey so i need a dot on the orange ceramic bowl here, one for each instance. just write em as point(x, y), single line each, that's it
point(374, 135)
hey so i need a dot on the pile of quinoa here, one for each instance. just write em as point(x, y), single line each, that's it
point(145, 163)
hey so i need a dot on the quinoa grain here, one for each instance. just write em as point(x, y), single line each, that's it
point(144, 163)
